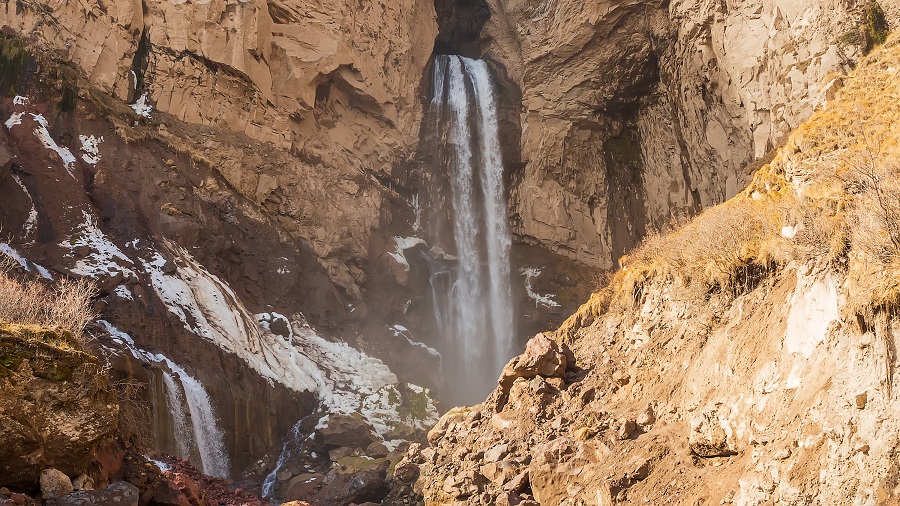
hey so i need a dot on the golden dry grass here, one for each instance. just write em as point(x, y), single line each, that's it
point(64, 306)
point(837, 180)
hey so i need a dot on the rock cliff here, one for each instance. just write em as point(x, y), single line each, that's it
point(634, 112)
point(746, 358)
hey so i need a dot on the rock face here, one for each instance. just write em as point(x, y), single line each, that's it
point(56, 408)
point(335, 84)
point(637, 111)
point(267, 138)
point(737, 360)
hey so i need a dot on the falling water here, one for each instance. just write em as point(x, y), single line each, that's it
point(180, 425)
point(207, 435)
point(479, 318)
point(202, 430)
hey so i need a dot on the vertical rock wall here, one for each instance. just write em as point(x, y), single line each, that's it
point(637, 111)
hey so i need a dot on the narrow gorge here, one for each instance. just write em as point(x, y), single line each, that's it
point(530, 252)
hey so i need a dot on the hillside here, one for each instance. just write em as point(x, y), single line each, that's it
point(745, 357)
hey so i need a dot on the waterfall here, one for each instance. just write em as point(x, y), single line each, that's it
point(207, 434)
point(476, 316)
point(202, 430)
point(180, 426)
point(197, 428)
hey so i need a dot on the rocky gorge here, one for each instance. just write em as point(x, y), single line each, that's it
point(309, 224)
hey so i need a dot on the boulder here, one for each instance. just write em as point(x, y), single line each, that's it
point(167, 493)
point(406, 471)
point(543, 357)
point(119, 493)
point(351, 431)
point(71, 413)
point(54, 483)
point(186, 485)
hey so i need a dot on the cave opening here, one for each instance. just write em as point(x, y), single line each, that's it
point(459, 26)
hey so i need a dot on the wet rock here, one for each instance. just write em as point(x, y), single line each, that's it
point(54, 483)
point(543, 357)
point(340, 488)
point(119, 493)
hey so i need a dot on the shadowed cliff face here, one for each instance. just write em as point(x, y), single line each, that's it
point(459, 26)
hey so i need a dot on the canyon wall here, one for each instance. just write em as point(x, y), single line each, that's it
point(638, 111)
point(334, 84)
point(268, 139)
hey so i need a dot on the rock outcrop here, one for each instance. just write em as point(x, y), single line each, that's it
point(336, 85)
point(56, 409)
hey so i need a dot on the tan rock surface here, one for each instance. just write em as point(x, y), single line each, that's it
point(702, 87)
point(333, 84)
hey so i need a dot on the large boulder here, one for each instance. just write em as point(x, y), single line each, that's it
point(56, 406)
point(351, 431)
point(543, 357)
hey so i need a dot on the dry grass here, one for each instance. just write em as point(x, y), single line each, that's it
point(65, 305)
point(829, 198)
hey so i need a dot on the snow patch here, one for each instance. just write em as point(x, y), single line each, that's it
point(790, 232)
point(90, 145)
point(43, 134)
point(105, 258)
point(403, 244)
point(14, 119)
point(26, 264)
point(31, 222)
point(539, 300)
point(123, 292)
point(142, 107)
point(814, 305)
point(401, 331)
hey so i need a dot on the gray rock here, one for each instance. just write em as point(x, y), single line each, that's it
point(119, 493)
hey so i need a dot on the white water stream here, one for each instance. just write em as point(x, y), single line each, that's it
point(476, 316)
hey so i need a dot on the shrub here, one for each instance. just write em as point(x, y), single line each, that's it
point(64, 305)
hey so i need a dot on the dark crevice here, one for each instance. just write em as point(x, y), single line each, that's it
point(459, 26)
